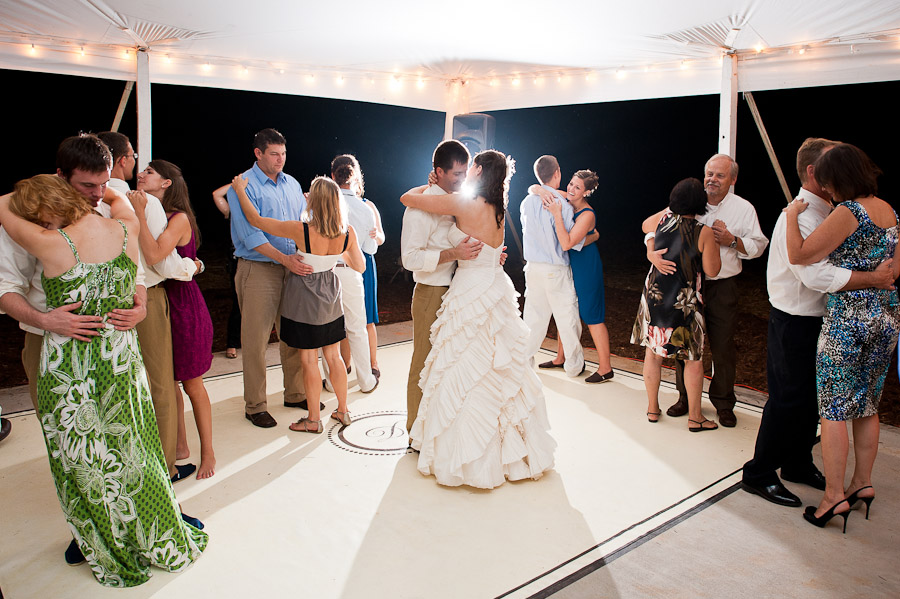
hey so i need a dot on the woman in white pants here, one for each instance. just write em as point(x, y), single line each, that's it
point(345, 172)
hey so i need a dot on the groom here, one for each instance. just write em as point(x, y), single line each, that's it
point(549, 288)
point(426, 251)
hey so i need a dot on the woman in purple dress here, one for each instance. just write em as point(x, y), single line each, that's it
point(192, 330)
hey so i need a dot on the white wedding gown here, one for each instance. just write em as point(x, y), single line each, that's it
point(482, 419)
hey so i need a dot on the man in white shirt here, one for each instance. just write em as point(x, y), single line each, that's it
point(736, 227)
point(549, 287)
point(84, 162)
point(155, 331)
point(426, 251)
point(787, 431)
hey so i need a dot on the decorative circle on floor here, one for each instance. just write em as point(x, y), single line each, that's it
point(372, 433)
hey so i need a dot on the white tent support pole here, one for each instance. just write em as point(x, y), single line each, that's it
point(728, 105)
point(768, 143)
point(129, 85)
point(457, 102)
point(143, 107)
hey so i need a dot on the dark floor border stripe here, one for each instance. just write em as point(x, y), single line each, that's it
point(564, 582)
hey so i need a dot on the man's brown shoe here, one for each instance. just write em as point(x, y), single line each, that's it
point(679, 408)
point(727, 418)
point(262, 419)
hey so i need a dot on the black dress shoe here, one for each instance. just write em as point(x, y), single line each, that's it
point(776, 493)
point(813, 478)
point(727, 418)
point(183, 471)
point(262, 419)
point(679, 408)
point(301, 404)
point(74, 556)
point(195, 522)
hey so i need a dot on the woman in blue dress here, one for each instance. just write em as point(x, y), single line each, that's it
point(587, 268)
point(860, 328)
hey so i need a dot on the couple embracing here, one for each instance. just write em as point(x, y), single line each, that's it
point(476, 411)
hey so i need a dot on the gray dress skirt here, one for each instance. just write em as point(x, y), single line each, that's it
point(311, 312)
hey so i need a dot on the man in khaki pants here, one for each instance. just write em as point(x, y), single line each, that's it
point(428, 253)
point(264, 262)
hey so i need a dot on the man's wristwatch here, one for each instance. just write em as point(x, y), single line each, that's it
point(733, 244)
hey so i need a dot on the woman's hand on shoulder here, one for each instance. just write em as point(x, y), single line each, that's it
point(795, 207)
point(138, 200)
point(240, 182)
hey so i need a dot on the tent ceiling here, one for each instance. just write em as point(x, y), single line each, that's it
point(496, 54)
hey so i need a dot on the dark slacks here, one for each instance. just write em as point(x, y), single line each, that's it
point(787, 431)
point(719, 310)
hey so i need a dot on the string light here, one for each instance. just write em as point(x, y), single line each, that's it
point(207, 67)
point(82, 50)
point(421, 83)
point(33, 49)
point(515, 81)
point(759, 48)
point(339, 80)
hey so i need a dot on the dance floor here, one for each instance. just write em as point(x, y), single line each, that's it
point(346, 514)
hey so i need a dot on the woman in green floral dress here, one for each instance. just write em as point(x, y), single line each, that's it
point(670, 318)
point(93, 397)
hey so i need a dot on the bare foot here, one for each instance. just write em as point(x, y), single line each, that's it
point(182, 453)
point(207, 467)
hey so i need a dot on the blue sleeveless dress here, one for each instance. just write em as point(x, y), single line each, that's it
point(587, 273)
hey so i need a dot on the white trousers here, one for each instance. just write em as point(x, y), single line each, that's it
point(550, 290)
point(353, 301)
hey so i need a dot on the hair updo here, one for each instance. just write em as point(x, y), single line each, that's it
point(591, 180)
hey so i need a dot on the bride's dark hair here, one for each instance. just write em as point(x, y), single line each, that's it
point(496, 171)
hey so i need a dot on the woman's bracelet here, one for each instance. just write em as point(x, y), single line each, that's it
point(649, 236)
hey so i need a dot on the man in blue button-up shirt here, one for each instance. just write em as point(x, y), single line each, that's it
point(549, 288)
point(264, 262)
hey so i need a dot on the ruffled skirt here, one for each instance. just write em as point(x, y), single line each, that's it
point(482, 419)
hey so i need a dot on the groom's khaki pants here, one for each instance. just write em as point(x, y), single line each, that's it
point(426, 301)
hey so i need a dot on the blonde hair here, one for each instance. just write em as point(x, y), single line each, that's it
point(51, 194)
point(325, 210)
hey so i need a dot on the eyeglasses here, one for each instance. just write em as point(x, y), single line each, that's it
point(134, 155)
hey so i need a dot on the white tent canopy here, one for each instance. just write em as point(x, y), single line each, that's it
point(462, 56)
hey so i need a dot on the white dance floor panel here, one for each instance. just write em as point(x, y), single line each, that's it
point(346, 514)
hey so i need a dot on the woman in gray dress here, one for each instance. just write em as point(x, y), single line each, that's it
point(311, 315)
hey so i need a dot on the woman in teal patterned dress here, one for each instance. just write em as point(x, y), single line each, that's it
point(93, 397)
point(860, 328)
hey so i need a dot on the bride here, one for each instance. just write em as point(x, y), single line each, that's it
point(482, 419)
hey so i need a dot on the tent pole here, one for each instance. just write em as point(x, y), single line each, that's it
point(748, 96)
point(728, 105)
point(457, 102)
point(143, 108)
point(129, 85)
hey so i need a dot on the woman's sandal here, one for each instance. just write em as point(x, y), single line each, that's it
point(231, 353)
point(700, 425)
point(657, 414)
point(342, 417)
point(305, 422)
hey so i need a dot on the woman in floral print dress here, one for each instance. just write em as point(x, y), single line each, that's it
point(670, 318)
point(93, 397)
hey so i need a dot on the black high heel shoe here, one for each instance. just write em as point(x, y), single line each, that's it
point(854, 497)
point(810, 515)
